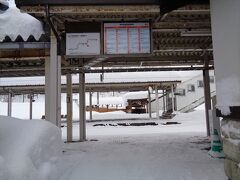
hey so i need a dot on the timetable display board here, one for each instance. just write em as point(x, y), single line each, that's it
point(127, 38)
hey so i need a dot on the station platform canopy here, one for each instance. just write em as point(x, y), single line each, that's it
point(91, 87)
point(180, 36)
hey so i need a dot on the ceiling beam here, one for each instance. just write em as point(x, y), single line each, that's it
point(40, 71)
point(85, 2)
point(94, 87)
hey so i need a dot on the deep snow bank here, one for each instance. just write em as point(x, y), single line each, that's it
point(28, 149)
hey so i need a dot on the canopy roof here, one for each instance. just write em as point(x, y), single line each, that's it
point(181, 39)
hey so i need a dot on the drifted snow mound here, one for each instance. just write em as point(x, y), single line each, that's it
point(135, 95)
point(28, 149)
point(14, 23)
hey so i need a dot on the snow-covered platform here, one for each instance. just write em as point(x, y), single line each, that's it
point(141, 157)
point(143, 153)
point(170, 152)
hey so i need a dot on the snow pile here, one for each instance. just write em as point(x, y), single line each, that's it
point(230, 129)
point(14, 24)
point(225, 110)
point(28, 149)
point(105, 100)
point(136, 95)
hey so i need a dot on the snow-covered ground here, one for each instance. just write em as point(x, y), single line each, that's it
point(143, 153)
point(162, 152)
point(141, 157)
point(156, 152)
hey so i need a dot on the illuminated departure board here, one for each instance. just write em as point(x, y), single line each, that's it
point(127, 38)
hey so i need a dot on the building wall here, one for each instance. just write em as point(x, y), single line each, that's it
point(154, 102)
point(190, 97)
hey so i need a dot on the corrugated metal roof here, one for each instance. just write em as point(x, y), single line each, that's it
point(108, 78)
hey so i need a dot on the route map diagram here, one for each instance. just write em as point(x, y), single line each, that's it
point(83, 44)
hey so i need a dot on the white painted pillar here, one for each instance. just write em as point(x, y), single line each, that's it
point(53, 85)
point(82, 107)
point(31, 105)
point(172, 97)
point(90, 105)
point(167, 100)
point(164, 102)
point(9, 104)
point(157, 102)
point(225, 19)
point(214, 120)
point(149, 104)
point(98, 103)
point(69, 108)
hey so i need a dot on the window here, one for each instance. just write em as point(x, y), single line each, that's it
point(190, 88)
point(200, 83)
point(180, 92)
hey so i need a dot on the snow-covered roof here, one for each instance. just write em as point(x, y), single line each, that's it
point(108, 78)
point(14, 24)
point(136, 95)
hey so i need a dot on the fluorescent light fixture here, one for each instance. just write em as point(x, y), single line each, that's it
point(196, 33)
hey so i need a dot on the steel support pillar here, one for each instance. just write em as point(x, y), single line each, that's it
point(9, 112)
point(53, 85)
point(157, 102)
point(69, 108)
point(164, 102)
point(149, 104)
point(82, 107)
point(90, 105)
point(31, 105)
point(167, 101)
point(172, 97)
point(207, 97)
point(98, 104)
